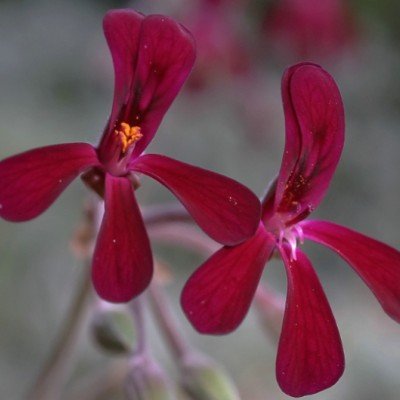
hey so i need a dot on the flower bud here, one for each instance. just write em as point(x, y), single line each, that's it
point(203, 379)
point(147, 381)
point(113, 331)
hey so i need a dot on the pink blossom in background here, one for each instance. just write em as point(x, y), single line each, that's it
point(152, 58)
point(228, 2)
point(310, 28)
point(218, 295)
point(222, 50)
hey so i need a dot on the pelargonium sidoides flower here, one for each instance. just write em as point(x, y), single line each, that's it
point(218, 295)
point(221, 49)
point(310, 28)
point(152, 58)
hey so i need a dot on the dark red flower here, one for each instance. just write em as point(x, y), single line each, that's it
point(218, 295)
point(310, 28)
point(152, 58)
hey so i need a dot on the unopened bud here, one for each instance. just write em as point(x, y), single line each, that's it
point(203, 379)
point(147, 381)
point(114, 331)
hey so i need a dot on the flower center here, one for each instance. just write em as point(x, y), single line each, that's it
point(128, 135)
point(291, 235)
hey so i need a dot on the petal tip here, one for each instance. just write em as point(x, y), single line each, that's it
point(313, 388)
point(199, 321)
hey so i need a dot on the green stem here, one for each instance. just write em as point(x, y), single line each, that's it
point(172, 212)
point(159, 302)
point(49, 384)
point(136, 307)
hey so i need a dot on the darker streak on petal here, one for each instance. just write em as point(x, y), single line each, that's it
point(152, 58)
point(314, 118)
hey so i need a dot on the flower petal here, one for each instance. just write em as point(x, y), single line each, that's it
point(314, 119)
point(376, 263)
point(166, 57)
point(225, 209)
point(31, 181)
point(310, 354)
point(122, 30)
point(217, 297)
point(152, 58)
point(122, 262)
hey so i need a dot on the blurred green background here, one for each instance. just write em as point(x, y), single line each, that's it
point(56, 86)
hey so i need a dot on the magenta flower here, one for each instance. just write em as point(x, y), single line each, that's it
point(222, 52)
point(218, 295)
point(152, 58)
point(310, 28)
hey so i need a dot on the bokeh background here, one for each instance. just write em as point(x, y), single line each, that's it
point(56, 84)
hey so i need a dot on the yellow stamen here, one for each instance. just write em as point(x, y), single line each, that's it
point(128, 135)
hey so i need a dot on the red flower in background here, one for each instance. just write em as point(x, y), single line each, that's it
point(218, 295)
point(221, 49)
point(152, 58)
point(310, 28)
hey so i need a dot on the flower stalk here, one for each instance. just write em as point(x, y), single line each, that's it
point(145, 379)
point(176, 343)
point(136, 307)
point(49, 383)
point(200, 376)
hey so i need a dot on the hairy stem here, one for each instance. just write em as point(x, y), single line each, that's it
point(136, 307)
point(48, 385)
point(270, 306)
point(159, 302)
point(173, 212)
point(183, 235)
point(50, 381)
point(101, 383)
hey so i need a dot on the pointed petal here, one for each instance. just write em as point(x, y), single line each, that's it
point(225, 209)
point(217, 297)
point(122, 262)
point(314, 119)
point(32, 181)
point(376, 263)
point(310, 354)
point(152, 58)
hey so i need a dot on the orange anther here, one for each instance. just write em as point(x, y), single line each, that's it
point(128, 135)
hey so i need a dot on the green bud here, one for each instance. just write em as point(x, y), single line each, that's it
point(203, 379)
point(147, 381)
point(113, 331)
